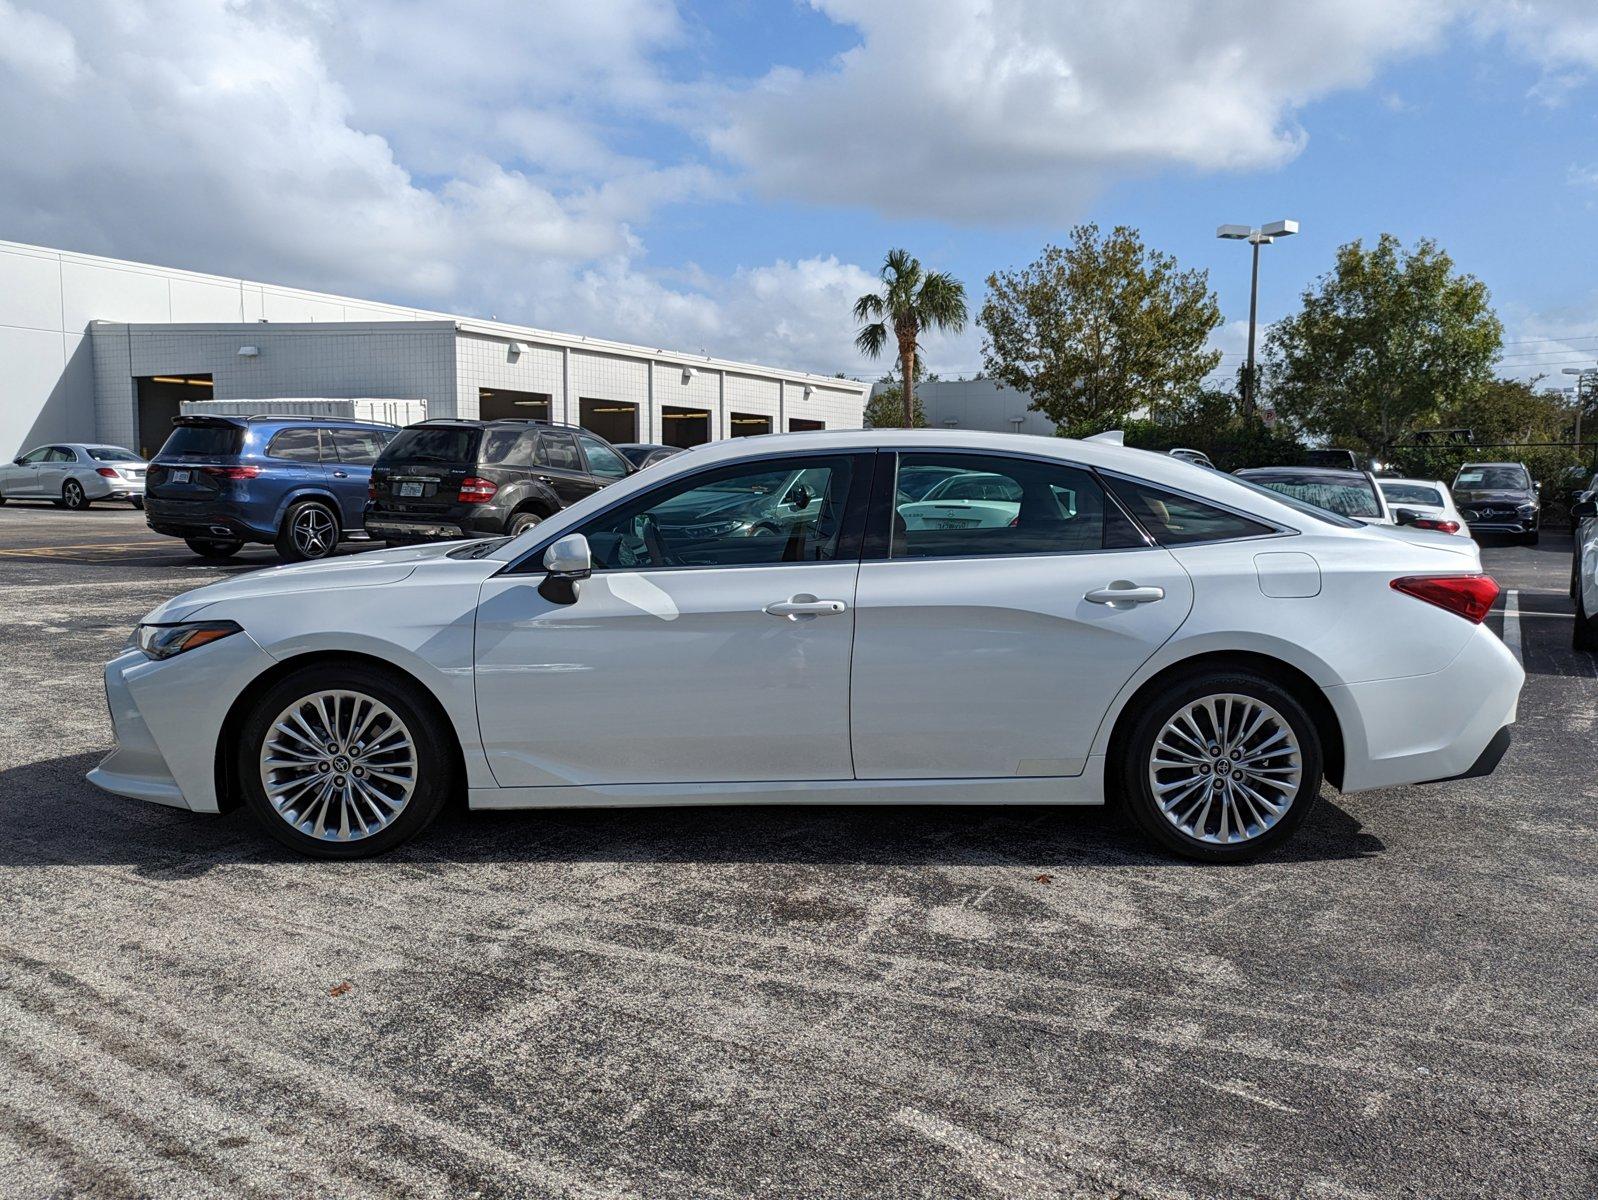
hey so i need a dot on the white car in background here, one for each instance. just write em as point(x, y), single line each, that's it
point(74, 475)
point(1200, 650)
point(971, 500)
point(1428, 500)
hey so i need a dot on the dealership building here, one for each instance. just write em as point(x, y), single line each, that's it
point(100, 350)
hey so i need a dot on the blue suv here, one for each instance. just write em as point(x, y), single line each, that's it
point(297, 483)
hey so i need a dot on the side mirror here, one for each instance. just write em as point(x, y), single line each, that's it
point(1584, 510)
point(17, 461)
point(1405, 516)
point(568, 561)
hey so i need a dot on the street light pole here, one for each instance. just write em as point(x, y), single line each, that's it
point(1263, 236)
point(1583, 375)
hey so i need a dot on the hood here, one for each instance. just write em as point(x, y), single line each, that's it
point(1512, 496)
point(371, 569)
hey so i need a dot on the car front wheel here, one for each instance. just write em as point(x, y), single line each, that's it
point(344, 762)
point(310, 530)
point(1221, 767)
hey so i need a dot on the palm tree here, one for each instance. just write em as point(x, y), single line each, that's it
point(911, 300)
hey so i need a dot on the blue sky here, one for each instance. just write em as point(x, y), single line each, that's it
point(726, 175)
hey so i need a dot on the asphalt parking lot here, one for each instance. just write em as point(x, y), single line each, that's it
point(782, 1002)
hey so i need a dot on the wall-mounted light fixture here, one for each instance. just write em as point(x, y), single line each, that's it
point(809, 391)
point(249, 352)
point(516, 348)
point(688, 373)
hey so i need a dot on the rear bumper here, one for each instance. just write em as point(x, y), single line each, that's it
point(1428, 728)
point(101, 488)
point(188, 519)
point(449, 526)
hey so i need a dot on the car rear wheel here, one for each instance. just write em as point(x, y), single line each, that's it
point(1531, 538)
point(1221, 767)
point(310, 530)
point(210, 549)
point(136, 501)
point(522, 521)
point(1585, 634)
point(344, 762)
point(73, 496)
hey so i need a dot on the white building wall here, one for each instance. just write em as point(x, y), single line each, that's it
point(488, 362)
point(756, 397)
point(702, 389)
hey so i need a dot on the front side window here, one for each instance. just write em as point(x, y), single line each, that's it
point(780, 511)
point(358, 446)
point(982, 505)
point(36, 456)
point(296, 445)
point(602, 460)
point(1177, 520)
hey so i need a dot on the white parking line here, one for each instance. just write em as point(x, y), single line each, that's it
point(1512, 624)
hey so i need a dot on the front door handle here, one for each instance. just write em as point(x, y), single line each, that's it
point(804, 606)
point(341, 474)
point(1123, 593)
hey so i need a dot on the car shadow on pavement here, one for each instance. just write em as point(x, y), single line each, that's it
point(53, 817)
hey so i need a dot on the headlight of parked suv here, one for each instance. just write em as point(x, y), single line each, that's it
point(1527, 509)
point(163, 641)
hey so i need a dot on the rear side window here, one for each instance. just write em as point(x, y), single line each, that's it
point(203, 441)
point(985, 506)
point(433, 443)
point(1412, 493)
point(59, 454)
point(559, 450)
point(112, 454)
point(296, 445)
point(1177, 520)
point(504, 448)
point(359, 447)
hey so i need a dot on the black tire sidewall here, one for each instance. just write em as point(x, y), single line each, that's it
point(210, 549)
point(287, 550)
point(526, 521)
point(435, 759)
point(1138, 798)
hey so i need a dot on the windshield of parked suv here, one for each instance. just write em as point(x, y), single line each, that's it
point(1492, 479)
point(433, 443)
point(1345, 497)
point(112, 454)
point(1412, 493)
point(203, 441)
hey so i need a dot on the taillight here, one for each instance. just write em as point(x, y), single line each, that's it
point(106, 471)
point(371, 490)
point(477, 491)
point(232, 472)
point(1468, 596)
point(1439, 526)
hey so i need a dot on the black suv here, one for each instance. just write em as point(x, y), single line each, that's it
point(448, 479)
point(1499, 498)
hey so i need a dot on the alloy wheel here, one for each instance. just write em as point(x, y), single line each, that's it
point(73, 494)
point(314, 531)
point(338, 765)
point(1225, 768)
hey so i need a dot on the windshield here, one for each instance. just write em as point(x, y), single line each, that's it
point(433, 443)
point(1412, 493)
point(1492, 479)
point(1345, 497)
point(221, 440)
point(112, 454)
point(1298, 505)
point(976, 487)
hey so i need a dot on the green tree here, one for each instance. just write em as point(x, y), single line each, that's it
point(1384, 343)
point(885, 410)
point(1098, 328)
point(912, 301)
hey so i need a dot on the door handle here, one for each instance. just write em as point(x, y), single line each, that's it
point(341, 474)
point(1124, 594)
point(803, 606)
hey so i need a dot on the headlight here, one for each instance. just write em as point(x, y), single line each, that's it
point(163, 641)
point(1528, 509)
point(716, 529)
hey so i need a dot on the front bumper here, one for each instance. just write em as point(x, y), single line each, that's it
point(168, 715)
point(1499, 521)
point(1426, 728)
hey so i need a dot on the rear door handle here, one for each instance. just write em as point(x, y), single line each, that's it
point(1125, 594)
point(341, 474)
point(802, 607)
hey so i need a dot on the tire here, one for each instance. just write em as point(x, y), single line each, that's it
point(73, 496)
point(210, 549)
point(137, 502)
point(1194, 830)
point(310, 530)
point(1575, 573)
point(1584, 634)
point(291, 806)
point(522, 521)
point(1532, 538)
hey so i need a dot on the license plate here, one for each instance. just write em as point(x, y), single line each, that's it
point(949, 523)
point(408, 489)
point(180, 476)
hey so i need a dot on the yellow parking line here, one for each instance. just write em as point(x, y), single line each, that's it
point(45, 551)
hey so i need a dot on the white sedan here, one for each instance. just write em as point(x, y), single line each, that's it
point(1202, 650)
point(74, 475)
point(1423, 504)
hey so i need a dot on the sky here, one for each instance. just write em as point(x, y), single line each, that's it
point(727, 175)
